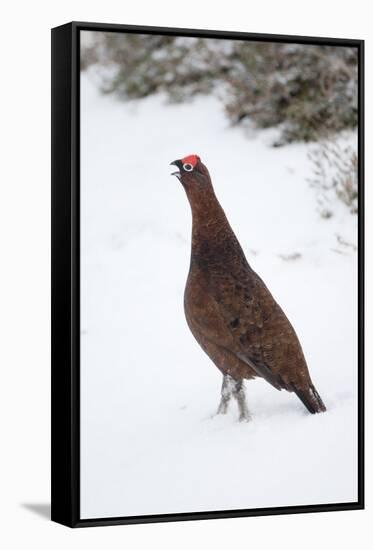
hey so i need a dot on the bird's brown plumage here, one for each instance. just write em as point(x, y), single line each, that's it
point(229, 309)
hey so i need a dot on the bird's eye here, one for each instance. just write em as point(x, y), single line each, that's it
point(188, 167)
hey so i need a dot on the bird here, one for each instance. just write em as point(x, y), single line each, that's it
point(229, 309)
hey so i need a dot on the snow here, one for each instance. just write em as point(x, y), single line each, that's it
point(150, 442)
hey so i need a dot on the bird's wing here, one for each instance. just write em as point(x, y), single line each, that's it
point(247, 320)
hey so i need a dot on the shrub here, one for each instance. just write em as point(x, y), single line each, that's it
point(335, 175)
point(307, 90)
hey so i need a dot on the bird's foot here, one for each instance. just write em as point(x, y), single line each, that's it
point(245, 417)
point(215, 415)
point(222, 409)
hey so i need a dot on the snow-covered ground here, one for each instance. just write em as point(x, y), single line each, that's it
point(149, 441)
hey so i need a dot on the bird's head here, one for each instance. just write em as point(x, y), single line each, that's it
point(192, 173)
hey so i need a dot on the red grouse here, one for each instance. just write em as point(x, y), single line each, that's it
point(229, 309)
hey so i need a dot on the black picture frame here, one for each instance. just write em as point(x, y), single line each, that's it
point(65, 467)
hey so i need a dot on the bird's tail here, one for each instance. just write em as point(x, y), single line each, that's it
point(311, 399)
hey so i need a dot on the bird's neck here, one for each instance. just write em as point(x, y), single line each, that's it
point(212, 234)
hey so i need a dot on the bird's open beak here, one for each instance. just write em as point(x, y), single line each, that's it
point(177, 172)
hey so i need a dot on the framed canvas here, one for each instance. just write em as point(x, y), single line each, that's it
point(207, 274)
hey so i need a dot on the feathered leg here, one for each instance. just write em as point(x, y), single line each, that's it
point(226, 394)
point(239, 394)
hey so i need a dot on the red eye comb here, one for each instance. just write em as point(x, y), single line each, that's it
point(190, 159)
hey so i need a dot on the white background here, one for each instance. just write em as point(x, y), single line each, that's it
point(25, 280)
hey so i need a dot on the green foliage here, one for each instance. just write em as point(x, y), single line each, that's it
point(310, 91)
